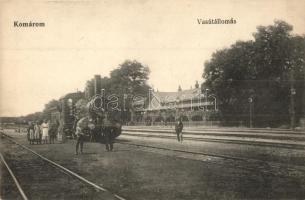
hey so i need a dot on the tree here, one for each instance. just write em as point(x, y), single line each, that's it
point(34, 117)
point(51, 105)
point(130, 77)
point(127, 81)
point(263, 69)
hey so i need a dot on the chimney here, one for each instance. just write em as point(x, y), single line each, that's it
point(179, 89)
point(197, 85)
point(97, 84)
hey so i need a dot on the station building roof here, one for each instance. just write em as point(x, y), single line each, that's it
point(183, 95)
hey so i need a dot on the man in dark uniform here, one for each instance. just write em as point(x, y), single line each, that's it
point(82, 128)
point(53, 131)
point(91, 130)
point(79, 140)
point(178, 129)
point(108, 133)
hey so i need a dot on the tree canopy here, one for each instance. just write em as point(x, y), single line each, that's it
point(51, 105)
point(264, 69)
point(130, 77)
point(127, 81)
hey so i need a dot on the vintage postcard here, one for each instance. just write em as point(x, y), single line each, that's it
point(152, 99)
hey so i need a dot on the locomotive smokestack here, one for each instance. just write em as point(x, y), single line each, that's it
point(103, 92)
point(97, 84)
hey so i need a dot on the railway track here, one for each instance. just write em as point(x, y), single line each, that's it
point(37, 177)
point(226, 141)
point(10, 187)
point(267, 169)
point(215, 130)
point(300, 136)
point(249, 164)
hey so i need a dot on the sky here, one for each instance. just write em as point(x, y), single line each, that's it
point(86, 37)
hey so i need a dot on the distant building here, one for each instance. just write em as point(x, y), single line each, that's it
point(190, 105)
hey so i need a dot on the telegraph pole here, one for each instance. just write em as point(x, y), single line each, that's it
point(292, 109)
point(250, 99)
point(292, 103)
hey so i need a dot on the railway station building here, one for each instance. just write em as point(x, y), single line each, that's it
point(191, 105)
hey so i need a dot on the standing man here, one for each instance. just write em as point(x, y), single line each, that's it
point(108, 133)
point(82, 129)
point(178, 129)
point(53, 132)
point(91, 129)
point(40, 132)
point(79, 140)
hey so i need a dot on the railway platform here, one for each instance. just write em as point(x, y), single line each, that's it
point(276, 137)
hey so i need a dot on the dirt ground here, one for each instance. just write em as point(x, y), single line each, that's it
point(136, 173)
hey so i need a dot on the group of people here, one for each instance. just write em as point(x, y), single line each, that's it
point(41, 133)
point(106, 129)
point(44, 133)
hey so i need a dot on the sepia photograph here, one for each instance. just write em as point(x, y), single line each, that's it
point(152, 99)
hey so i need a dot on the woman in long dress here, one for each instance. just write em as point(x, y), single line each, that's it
point(31, 133)
point(61, 135)
point(45, 132)
point(37, 133)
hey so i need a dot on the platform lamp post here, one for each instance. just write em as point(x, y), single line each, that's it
point(103, 98)
point(292, 96)
point(292, 109)
point(177, 109)
point(206, 105)
point(124, 110)
point(250, 100)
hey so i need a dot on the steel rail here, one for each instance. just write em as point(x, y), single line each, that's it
point(243, 159)
point(226, 141)
point(64, 169)
point(185, 151)
point(14, 178)
point(211, 130)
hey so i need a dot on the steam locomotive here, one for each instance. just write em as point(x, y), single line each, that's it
point(74, 110)
point(93, 125)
